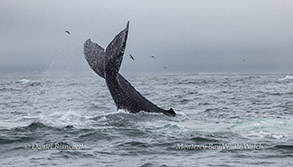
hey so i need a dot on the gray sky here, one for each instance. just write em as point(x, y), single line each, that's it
point(183, 35)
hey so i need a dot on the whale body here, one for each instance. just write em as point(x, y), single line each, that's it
point(106, 63)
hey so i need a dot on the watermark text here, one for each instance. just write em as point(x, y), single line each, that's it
point(55, 146)
point(223, 146)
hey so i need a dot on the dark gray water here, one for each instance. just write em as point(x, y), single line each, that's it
point(223, 120)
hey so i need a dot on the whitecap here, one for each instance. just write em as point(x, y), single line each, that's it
point(288, 77)
point(264, 128)
point(23, 81)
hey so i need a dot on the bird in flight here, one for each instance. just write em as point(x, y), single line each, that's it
point(131, 57)
point(67, 32)
point(153, 57)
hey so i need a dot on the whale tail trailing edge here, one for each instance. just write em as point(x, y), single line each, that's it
point(115, 51)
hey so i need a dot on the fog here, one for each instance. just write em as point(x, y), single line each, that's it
point(184, 36)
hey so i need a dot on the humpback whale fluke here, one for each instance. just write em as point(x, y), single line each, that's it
point(107, 64)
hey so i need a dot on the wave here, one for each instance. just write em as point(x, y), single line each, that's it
point(284, 147)
point(288, 77)
point(28, 82)
point(10, 89)
point(16, 139)
point(23, 81)
point(20, 134)
point(122, 118)
point(264, 128)
point(203, 139)
point(148, 164)
point(32, 127)
point(72, 154)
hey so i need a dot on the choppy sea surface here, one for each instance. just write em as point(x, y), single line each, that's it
point(222, 120)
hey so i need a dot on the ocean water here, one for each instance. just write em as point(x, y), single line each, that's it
point(222, 120)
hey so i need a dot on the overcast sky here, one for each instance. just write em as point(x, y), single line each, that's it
point(183, 35)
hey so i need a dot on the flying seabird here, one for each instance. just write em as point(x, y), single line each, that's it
point(131, 57)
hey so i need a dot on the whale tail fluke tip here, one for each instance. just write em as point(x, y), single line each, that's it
point(170, 112)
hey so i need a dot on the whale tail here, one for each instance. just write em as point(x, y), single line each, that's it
point(170, 112)
point(106, 63)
